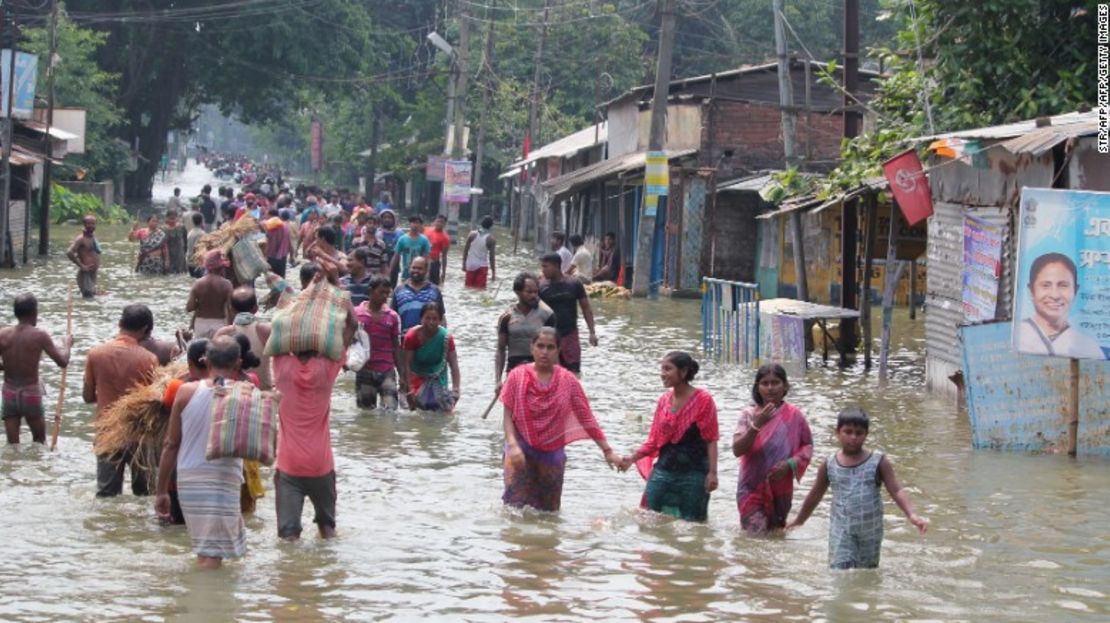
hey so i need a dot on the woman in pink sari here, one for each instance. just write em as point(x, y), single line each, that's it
point(545, 409)
point(774, 445)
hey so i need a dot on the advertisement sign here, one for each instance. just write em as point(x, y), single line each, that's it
point(1062, 281)
point(456, 181)
point(982, 269)
point(317, 144)
point(656, 180)
point(434, 172)
point(909, 185)
point(26, 72)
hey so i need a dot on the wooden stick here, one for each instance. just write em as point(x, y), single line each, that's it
point(1073, 407)
point(62, 385)
point(490, 407)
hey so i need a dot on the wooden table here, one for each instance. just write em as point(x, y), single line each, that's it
point(821, 314)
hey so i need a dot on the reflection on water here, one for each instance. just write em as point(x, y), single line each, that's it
point(423, 533)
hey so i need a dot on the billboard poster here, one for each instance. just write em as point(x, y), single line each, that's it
point(456, 181)
point(26, 72)
point(434, 171)
point(982, 269)
point(1062, 282)
point(317, 144)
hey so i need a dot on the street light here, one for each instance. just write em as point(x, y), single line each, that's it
point(441, 44)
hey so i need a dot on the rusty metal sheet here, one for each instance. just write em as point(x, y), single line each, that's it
point(1019, 402)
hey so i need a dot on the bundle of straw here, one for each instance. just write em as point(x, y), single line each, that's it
point(138, 419)
point(224, 238)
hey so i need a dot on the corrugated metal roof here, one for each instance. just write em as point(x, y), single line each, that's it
point(754, 183)
point(600, 170)
point(645, 89)
point(40, 127)
point(1065, 125)
point(815, 205)
point(22, 156)
point(569, 145)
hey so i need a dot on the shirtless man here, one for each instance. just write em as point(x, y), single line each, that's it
point(244, 303)
point(85, 252)
point(208, 298)
point(21, 347)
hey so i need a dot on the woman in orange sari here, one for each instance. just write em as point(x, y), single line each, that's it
point(775, 445)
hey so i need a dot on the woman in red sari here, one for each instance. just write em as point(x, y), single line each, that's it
point(679, 458)
point(774, 445)
point(545, 409)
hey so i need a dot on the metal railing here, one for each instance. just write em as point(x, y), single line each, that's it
point(730, 321)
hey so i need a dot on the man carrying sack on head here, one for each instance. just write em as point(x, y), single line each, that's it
point(308, 343)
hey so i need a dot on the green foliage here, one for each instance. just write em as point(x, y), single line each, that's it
point(81, 83)
point(66, 205)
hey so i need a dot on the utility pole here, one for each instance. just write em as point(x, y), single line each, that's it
point(789, 149)
point(641, 269)
point(487, 89)
point(458, 149)
point(849, 213)
point(533, 117)
point(48, 167)
point(5, 166)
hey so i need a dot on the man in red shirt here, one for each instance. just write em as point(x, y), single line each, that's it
point(111, 369)
point(305, 464)
point(441, 242)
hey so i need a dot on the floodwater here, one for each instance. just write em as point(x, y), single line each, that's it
point(422, 532)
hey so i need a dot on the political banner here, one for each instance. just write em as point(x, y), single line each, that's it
point(456, 181)
point(26, 73)
point(1062, 281)
point(982, 269)
point(434, 172)
point(317, 145)
point(909, 185)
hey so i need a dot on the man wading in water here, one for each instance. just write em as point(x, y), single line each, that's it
point(85, 252)
point(208, 299)
point(21, 347)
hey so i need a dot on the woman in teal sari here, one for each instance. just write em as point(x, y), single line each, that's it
point(428, 354)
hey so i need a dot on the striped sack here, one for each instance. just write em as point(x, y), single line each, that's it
point(248, 260)
point(244, 423)
point(313, 322)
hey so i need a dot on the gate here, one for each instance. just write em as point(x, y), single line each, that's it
point(730, 321)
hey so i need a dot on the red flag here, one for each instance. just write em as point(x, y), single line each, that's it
point(909, 185)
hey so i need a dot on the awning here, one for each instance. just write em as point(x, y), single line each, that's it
point(40, 127)
point(568, 145)
point(620, 165)
point(754, 183)
point(510, 173)
point(812, 204)
point(1027, 136)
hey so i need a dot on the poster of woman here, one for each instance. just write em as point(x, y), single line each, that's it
point(1062, 289)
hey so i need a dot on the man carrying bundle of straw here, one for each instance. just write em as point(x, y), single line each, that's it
point(111, 370)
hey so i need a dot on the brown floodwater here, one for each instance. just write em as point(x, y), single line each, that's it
point(423, 534)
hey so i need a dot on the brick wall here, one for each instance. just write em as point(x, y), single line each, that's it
point(754, 133)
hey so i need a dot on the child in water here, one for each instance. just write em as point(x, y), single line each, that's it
point(856, 520)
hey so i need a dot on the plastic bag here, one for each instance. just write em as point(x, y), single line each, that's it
point(358, 353)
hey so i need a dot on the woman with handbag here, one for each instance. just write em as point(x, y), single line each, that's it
point(208, 489)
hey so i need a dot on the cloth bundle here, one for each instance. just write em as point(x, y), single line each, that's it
point(248, 260)
point(244, 423)
point(314, 321)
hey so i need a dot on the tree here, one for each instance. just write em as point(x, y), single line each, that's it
point(174, 55)
point(80, 83)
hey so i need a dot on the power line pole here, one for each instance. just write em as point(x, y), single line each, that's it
point(458, 149)
point(533, 116)
point(487, 88)
point(789, 149)
point(5, 166)
point(641, 268)
point(849, 214)
point(48, 166)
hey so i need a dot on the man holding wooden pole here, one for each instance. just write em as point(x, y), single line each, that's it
point(21, 348)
